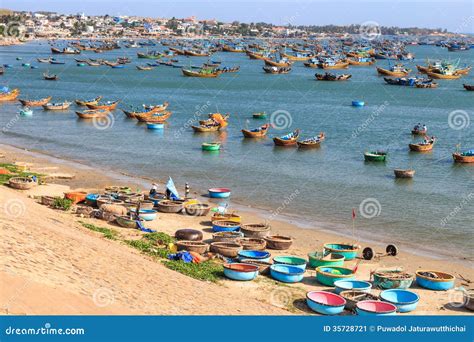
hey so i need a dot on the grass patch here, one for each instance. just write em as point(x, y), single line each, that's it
point(148, 248)
point(159, 238)
point(108, 233)
point(208, 270)
point(15, 172)
point(62, 203)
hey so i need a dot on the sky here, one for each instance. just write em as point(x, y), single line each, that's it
point(454, 15)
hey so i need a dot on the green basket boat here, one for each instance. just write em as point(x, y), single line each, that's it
point(211, 146)
point(328, 275)
point(317, 259)
point(378, 156)
point(347, 250)
point(260, 115)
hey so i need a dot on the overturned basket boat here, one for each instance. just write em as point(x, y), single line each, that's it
point(168, 206)
point(255, 230)
point(22, 183)
point(197, 209)
point(188, 234)
point(192, 246)
point(227, 237)
point(253, 244)
point(400, 173)
point(227, 249)
point(278, 242)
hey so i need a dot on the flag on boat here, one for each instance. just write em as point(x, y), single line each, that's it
point(353, 214)
point(172, 189)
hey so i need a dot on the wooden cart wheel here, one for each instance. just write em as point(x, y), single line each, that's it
point(391, 250)
point(368, 253)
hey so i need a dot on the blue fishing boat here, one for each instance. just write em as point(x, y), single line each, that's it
point(91, 199)
point(219, 192)
point(349, 251)
point(286, 274)
point(375, 307)
point(242, 272)
point(119, 66)
point(26, 111)
point(329, 275)
point(254, 255)
point(435, 280)
point(325, 303)
point(291, 261)
point(358, 103)
point(404, 300)
point(8, 66)
point(54, 61)
point(33, 67)
point(153, 125)
point(225, 226)
point(25, 64)
point(357, 285)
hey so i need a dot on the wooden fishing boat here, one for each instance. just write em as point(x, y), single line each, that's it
point(155, 117)
point(426, 85)
point(375, 156)
point(35, 103)
point(281, 63)
point(298, 57)
point(423, 146)
point(259, 132)
point(10, 95)
point(255, 55)
point(440, 76)
point(361, 61)
point(49, 77)
point(228, 48)
point(212, 121)
point(464, 157)
point(200, 73)
point(423, 69)
point(44, 60)
point(206, 128)
point(468, 87)
point(287, 140)
point(312, 142)
point(332, 77)
point(279, 242)
point(176, 51)
point(144, 68)
point(311, 63)
point(57, 106)
point(86, 102)
point(56, 50)
point(419, 131)
point(109, 105)
point(22, 183)
point(404, 173)
point(335, 65)
point(396, 71)
point(464, 71)
point(92, 113)
point(196, 53)
point(276, 70)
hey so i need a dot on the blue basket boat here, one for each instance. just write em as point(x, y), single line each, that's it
point(291, 261)
point(225, 226)
point(329, 275)
point(404, 300)
point(146, 214)
point(435, 280)
point(152, 125)
point(219, 193)
point(358, 103)
point(242, 272)
point(349, 251)
point(357, 285)
point(286, 274)
point(325, 303)
point(91, 199)
point(375, 307)
point(254, 255)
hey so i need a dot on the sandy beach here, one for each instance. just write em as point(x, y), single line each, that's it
point(51, 264)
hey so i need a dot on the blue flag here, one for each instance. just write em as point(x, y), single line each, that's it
point(172, 188)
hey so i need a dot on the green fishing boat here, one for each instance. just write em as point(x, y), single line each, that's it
point(259, 115)
point(378, 156)
point(211, 146)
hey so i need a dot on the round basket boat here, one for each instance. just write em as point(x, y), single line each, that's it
point(353, 297)
point(325, 303)
point(225, 226)
point(219, 192)
point(198, 209)
point(278, 242)
point(48, 200)
point(332, 259)
point(286, 274)
point(349, 251)
point(91, 199)
point(253, 244)
point(168, 206)
point(242, 272)
point(147, 215)
point(263, 266)
point(143, 204)
point(255, 230)
point(188, 234)
point(404, 300)
point(469, 300)
point(435, 280)
point(76, 196)
point(108, 200)
point(291, 261)
point(328, 275)
point(227, 237)
point(357, 285)
point(375, 307)
point(22, 183)
point(392, 279)
point(126, 221)
point(227, 249)
point(254, 255)
point(192, 246)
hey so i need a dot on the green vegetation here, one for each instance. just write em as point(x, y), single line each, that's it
point(108, 233)
point(147, 247)
point(208, 270)
point(62, 203)
point(159, 238)
point(14, 172)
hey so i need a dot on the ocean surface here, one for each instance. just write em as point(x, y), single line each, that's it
point(318, 188)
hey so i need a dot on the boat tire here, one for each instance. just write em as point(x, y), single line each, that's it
point(368, 253)
point(391, 250)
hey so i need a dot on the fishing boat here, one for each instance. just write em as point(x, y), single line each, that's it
point(154, 125)
point(419, 130)
point(49, 77)
point(228, 48)
point(213, 146)
point(289, 139)
point(297, 56)
point(464, 157)
point(144, 68)
point(35, 103)
point(26, 111)
point(332, 77)
point(92, 113)
point(444, 76)
point(331, 64)
point(435, 280)
point(240, 271)
point(44, 60)
point(469, 87)
point(312, 142)
point(398, 70)
point(325, 303)
point(375, 307)
point(376, 156)
point(259, 115)
point(286, 274)
point(203, 73)
point(196, 53)
point(404, 173)
point(361, 61)
point(358, 103)
point(259, 132)
point(328, 275)
point(109, 105)
point(408, 82)
point(9, 95)
point(57, 106)
point(255, 55)
point(404, 300)
point(425, 146)
point(220, 193)
point(276, 70)
point(90, 101)
point(55, 61)
point(429, 84)
point(156, 117)
point(280, 64)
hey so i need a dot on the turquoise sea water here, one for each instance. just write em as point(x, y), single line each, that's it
point(434, 211)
